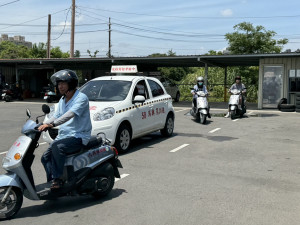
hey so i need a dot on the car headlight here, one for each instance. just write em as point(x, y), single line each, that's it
point(51, 113)
point(104, 114)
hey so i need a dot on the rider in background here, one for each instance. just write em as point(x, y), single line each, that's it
point(199, 87)
point(239, 86)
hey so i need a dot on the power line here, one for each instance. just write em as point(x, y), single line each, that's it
point(9, 3)
point(64, 26)
point(194, 17)
point(35, 19)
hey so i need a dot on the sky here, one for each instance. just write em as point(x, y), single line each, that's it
point(141, 28)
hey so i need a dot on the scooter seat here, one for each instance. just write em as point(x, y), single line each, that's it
point(93, 142)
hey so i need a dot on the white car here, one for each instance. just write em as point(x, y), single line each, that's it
point(124, 108)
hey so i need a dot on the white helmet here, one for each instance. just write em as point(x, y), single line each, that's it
point(200, 79)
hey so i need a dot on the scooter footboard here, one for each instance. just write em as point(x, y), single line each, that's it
point(11, 179)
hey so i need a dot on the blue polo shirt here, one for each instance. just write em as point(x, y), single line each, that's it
point(80, 125)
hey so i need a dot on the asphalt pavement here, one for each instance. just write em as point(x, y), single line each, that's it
point(227, 172)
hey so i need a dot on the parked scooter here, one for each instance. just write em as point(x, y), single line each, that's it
point(91, 171)
point(236, 109)
point(10, 92)
point(51, 96)
point(201, 112)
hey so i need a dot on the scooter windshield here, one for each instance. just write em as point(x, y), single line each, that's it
point(29, 125)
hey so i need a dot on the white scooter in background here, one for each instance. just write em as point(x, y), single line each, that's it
point(201, 112)
point(236, 109)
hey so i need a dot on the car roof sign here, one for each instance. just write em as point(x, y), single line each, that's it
point(124, 69)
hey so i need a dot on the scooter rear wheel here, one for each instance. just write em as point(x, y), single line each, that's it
point(13, 202)
point(105, 180)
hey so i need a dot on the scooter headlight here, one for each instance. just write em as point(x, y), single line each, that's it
point(104, 114)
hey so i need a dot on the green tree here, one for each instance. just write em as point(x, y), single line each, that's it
point(172, 73)
point(248, 39)
point(57, 53)
point(77, 54)
point(39, 51)
point(90, 54)
point(9, 50)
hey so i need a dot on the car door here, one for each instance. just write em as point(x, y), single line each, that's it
point(159, 101)
point(141, 118)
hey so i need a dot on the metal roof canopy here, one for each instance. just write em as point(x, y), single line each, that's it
point(172, 61)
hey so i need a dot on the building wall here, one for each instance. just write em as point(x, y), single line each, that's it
point(288, 64)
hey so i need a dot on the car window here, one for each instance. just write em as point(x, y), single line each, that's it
point(140, 89)
point(106, 90)
point(156, 89)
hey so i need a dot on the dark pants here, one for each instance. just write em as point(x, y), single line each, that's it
point(54, 158)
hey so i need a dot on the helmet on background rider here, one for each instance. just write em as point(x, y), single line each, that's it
point(66, 75)
point(238, 78)
point(200, 82)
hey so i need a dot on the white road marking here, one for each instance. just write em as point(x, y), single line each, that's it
point(181, 110)
point(235, 120)
point(2, 153)
point(213, 131)
point(250, 112)
point(180, 147)
point(43, 143)
point(122, 176)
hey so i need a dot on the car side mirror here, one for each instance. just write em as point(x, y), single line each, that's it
point(138, 99)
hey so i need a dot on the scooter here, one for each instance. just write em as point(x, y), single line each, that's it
point(236, 109)
point(51, 96)
point(91, 171)
point(201, 112)
point(8, 94)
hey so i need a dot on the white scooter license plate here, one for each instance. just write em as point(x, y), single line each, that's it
point(3, 95)
point(45, 97)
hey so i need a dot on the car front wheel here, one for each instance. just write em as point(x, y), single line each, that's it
point(123, 138)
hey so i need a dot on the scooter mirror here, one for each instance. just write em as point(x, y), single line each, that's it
point(28, 113)
point(46, 108)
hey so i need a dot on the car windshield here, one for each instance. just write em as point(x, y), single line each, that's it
point(106, 90)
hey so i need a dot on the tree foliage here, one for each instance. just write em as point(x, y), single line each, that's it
point(9, 50)
point(172, 73)
point(248, 39)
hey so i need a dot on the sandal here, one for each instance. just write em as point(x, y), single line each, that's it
point(57, 184)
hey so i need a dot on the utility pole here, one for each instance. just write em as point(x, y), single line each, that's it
point(109, 39)
point(72, 30)
point(49, 37)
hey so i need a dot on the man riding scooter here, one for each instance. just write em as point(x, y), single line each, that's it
point(73, 117)
point(199, 87)
point(238, 85)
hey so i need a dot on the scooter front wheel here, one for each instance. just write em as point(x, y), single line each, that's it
point(12, 203)
point(202, 118)
point(232, 115)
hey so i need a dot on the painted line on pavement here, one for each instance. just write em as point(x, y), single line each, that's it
point(235, 120)
point(180, 147)
point(2, 153)
point(122, 176)
point(250, 112)
point(181, 110)
point(43, 143)
point(213, 131)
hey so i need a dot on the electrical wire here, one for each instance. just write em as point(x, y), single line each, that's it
point(194, 17)
point(64, 26)
point(9, 3)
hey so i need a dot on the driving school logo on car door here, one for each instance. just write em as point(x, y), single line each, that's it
point(153, 112)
